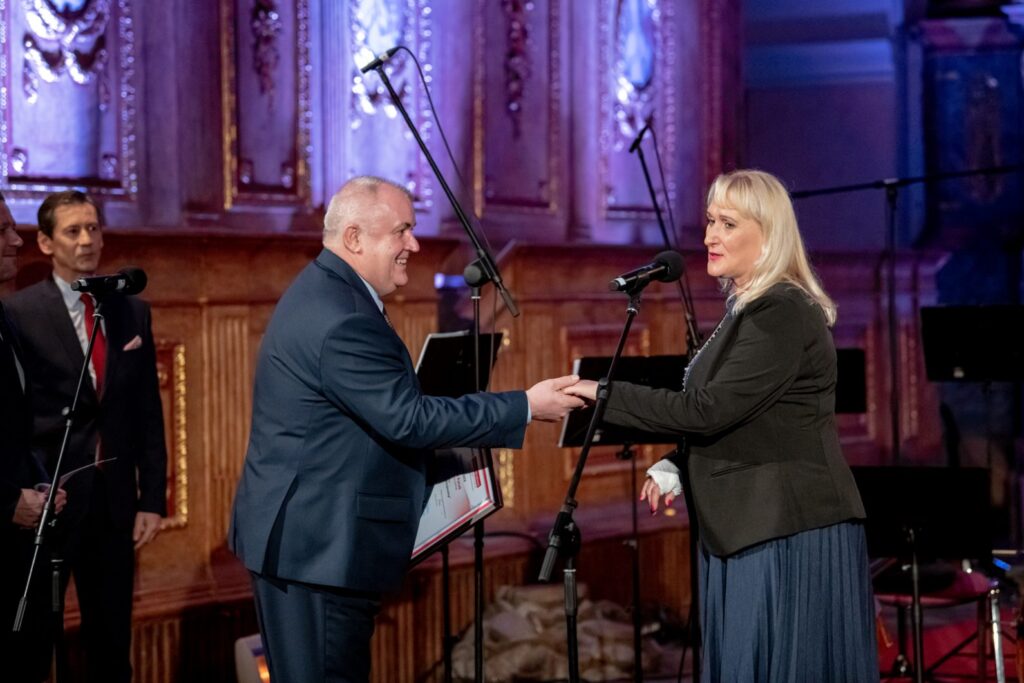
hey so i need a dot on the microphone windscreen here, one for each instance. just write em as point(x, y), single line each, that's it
point(673, 262)
point(135, 279)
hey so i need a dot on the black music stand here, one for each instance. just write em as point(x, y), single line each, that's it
point(447, 367)
point(851, 383)
point(982, 344)
point(661, 372)
point(447, 364)
point(934, 513)
point(973, 343)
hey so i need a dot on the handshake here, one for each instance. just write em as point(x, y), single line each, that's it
point(552, 399)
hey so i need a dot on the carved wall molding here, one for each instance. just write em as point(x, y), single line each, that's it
point(635, 48)
point(265, 23)
point(517, 59)
point(530, 73)
point(279, 71)
point(68, 40)
point(374, 123)
point(638, 61)
point(93, 43)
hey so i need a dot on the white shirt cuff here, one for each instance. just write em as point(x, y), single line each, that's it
point(666, 475)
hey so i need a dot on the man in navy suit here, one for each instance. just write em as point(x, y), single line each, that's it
point(333, 484)
point(25, 655)
point(114, 509)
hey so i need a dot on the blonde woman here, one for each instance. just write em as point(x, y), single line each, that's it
point(784, 581)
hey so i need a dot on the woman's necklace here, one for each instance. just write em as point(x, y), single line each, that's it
point(706, 344)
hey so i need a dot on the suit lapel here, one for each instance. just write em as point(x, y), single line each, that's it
point(64, 332)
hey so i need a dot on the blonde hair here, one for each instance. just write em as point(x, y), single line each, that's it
point(762, 197)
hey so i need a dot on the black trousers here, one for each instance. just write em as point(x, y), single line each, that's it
point(314, 633)
point(24, 656)
point(101, 558)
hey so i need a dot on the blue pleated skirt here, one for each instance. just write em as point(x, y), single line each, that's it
point(794, 609)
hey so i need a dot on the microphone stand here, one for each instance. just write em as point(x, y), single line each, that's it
point(693, 342)
point(476, 278)
point(489, 270)
point(683, 284)
point(49, 516)
point(892, 187)
point(565, 539)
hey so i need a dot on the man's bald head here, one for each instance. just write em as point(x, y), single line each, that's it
point(357, 200)
point(369, 226)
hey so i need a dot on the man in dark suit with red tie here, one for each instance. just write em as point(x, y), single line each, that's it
point(25, 656)
point(114, 508)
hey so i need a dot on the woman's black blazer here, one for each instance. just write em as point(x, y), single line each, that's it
point(758, 415)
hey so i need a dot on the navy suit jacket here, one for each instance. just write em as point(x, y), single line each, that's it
point(18, 469)
point(127, 419)
point(334, 478)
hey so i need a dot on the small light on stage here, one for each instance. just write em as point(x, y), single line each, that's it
point(670, 512)
point(445, 281)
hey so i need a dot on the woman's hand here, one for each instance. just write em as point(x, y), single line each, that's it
point(585, 389)
point(652, 494)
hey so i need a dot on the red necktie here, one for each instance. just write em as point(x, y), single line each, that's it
point(99, 348)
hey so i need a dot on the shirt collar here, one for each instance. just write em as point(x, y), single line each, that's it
point(373, 293)
point(70, 296)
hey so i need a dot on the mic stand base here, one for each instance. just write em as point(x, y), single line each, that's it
point(570, 546)
point(627, 453)
point(564, 539)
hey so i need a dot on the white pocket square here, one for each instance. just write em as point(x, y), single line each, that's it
point(135, 343)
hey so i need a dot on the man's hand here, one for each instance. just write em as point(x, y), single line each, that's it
point(585, 389)
point(30, 506)
point(147, 526)
point(548, 403)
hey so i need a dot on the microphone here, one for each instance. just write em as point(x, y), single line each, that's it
point(381, 58)
point(640, 136)
point(129, 280)
point(666, 267)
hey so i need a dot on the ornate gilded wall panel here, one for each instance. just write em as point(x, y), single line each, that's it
point(639, 72)
point(68, 101)
point(266, 101)
point(378, 140)
point(518, 101)
point(649, 60)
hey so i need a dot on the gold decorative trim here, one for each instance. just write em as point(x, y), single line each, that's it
point(229, 129)
point(507, 477)
point(178, 430)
